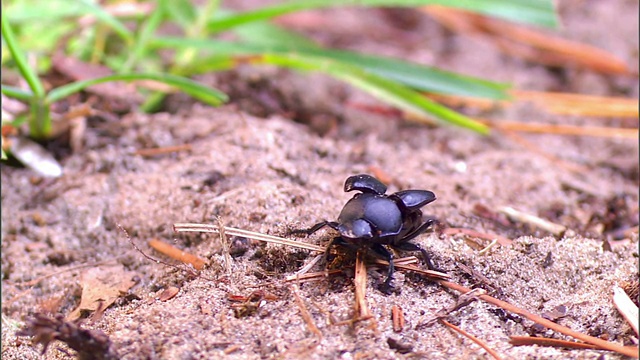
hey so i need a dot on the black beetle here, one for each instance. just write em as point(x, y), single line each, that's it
point(372, 219)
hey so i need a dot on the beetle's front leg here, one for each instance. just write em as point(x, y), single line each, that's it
point(407, 246)
point(314, 228)
point(379, 249)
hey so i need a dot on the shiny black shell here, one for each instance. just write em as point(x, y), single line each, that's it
point(381, 213)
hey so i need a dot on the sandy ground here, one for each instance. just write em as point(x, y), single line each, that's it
point(270, 174)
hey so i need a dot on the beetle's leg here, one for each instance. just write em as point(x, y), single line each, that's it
point(387, 255)
point(422, 228)
point(335, 241)
point(407, 246)
point(314, 228)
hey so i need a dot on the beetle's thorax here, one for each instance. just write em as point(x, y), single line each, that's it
point(370, 216)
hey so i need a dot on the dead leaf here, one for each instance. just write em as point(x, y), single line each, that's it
point(101, 286)
point(35, 157)
point(168, 293)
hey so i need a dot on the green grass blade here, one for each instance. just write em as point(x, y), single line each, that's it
point(52, 10)
point(145, 33)
point(18, 56)
point(183, 12)
point(17, 93)
point(106, 18)
point(40, 119)
point(413, 75)
point(385, 90)
point(203, 93)
point(265, 34)
point(537, 12)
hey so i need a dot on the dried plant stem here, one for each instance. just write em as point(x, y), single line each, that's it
point(521, 141)
point(574, 130)
point(602, 107)
point(397, 318)
point(530, 340)
point(602, 344)
point(581, 104)
point(162, 150)
point(207, 228)
point(626, 307)
point(360, 280)
point(177, 254)
point(225, 246)
point(487, 236)
point(529, 44)
point(305, 312)
point(472, 338)
point(73, 268)
point(312, 276)
point(533, 220)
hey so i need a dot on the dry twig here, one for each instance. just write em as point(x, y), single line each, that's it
point(472, 338)
point(487, 236)
point(162, 150)
point(207, 228)
point(529, 44)
point(177, 254)
point(397, 318)
point(540, 223)
point(542, 341)
point(225, 246)
point(305, 312)
point(602, 344)
point(626, 307)
point(360, 281)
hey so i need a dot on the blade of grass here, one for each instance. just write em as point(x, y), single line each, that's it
point(17, 93)
point(538, 12)
point(385, 90)
point(262, 33)
point(106, 18)
point(144, 35)
point(274, 38)
point(18, 56)
point(195, 30)
point(181, 11)
point(203, 93)
point(417, 76)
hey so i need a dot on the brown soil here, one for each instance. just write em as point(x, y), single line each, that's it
point(270, 174)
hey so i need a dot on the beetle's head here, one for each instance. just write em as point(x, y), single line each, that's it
point(356, 229)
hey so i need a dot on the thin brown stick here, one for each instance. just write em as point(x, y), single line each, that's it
point(312, 276)
point(163, 150)
point(602, 344)
point(529, 44)
point(530, 340)
point(304, 312)
point(360, 281)
point(397, 318)
point(581, 104)
point(303, 276)
point(626, 307)
point(177, 254)
point(533, 220)
point(600, 107)
point(209, 228)
point(73, 268)
point(572, 130)
point(225, 246)
point(487, 236)
point(435, 275)
point(472, 338)
point(188, 269)
point(569, 166)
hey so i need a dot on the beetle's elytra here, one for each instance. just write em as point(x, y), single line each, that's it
point(373, 219)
